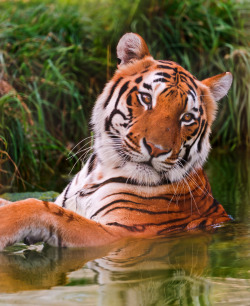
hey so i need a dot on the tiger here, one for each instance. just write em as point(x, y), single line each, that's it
point(145, 177)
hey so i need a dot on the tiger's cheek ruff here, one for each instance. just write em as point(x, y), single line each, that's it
point(109, 124)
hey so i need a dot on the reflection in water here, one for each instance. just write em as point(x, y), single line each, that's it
point(152, 270)
point(193, 268)
point(29, 269)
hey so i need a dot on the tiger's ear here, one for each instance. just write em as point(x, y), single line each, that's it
point(219, 85)
point(131, 47)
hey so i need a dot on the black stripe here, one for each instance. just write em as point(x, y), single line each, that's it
point(177, 78)
point(161, 80)
point(147, 86)
point(202, 224)
point(131, 182)
point(202, 125)
point(91, 163)
point(151, 198)
point(183, 78)
point(165, 67)
point(65, 194)
point(201, 138)
point(214, 205)
point(134, 228)
point(111, 203)
point(129, 100)
point(195, 131)
point(140, 197)
point(108, 121)
point(144, 211)
point(111, 92)
point(129, 146)
point(172, 228)
point(141, 227)
point(165, 91)
point(166, 75)
point(185, 158)
point(116, 112)
point(201, 110)
point(138, 80)
point(192, 125)
point(121, 92)
point(185, 103)
point(82, 194)
point(190, 78)
point(107, 125)
point(132, 90)
point(125, 180)
point(167, 88)
point(191, 88)
point(191, 93)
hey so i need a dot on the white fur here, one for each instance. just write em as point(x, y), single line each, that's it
point(221, 87)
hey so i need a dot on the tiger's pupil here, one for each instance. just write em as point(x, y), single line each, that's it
point(187, 117)
point(146, 99)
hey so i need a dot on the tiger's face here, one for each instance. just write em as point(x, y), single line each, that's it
point(154, 118)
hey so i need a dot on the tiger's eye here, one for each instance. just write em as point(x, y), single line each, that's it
point(187, 117)
point(146, 99)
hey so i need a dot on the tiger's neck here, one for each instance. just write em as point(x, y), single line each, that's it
point(118, 201)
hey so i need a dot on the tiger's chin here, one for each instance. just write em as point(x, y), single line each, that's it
point(147, 174)
point(143, 174)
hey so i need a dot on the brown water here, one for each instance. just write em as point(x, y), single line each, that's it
point(202, 268)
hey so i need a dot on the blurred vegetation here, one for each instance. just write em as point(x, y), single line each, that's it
point(57, 55)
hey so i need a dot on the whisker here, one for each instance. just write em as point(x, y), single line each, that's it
point(189, 175)
point(81, 142)
point(192, 197)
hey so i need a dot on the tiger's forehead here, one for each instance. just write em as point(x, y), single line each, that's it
point(156, 75)
point(170, 75)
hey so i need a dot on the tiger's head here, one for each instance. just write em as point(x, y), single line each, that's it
point(154, 118)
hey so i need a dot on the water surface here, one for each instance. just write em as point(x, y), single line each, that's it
point(198, 268)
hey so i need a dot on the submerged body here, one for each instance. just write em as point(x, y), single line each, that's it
point(152, 124)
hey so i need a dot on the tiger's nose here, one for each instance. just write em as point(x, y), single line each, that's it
point(154, 150)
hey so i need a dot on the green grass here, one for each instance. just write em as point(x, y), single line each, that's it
point(59, 54)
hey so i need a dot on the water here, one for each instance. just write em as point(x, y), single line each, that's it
point(200, 268)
